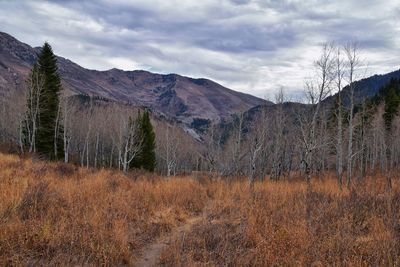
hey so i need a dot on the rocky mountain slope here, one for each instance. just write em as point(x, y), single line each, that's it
point(177, 97)
point(194, 102)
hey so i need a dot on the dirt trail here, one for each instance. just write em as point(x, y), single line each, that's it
point(152, 253)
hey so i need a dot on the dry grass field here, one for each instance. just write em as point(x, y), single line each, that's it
point(58, 214)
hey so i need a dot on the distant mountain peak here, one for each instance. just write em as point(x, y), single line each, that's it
point(178, 97)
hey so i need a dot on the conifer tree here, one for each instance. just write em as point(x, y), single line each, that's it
point(392, 102)
point(48, 136)
point(146, 158)
point(149, 157)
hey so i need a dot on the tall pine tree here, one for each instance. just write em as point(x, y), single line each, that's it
point(146, 158)
point(392, 102)
point(48, 141)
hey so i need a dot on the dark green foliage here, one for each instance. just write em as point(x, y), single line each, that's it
point(392, 101)
point(49, 130)
point(146, 158)
point(148, 154)
point(390, 94)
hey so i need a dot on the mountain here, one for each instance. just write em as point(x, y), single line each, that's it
point(366, 88)
point(177, 97)
point(372, 88)
point(194, 102)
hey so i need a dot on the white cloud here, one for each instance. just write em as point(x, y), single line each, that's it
point(255, 46)
point(123, 63)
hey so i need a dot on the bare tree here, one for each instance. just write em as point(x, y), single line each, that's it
point(130, 145)
point(257, 141)
point(57, 131)
point(316, 91)
point(168, 148)
point(351, 50)
point(12, 118)
point(128, 139)
point(279, 122)
point(35, 88)
point(212, 150)
point(68, 108)
point(339, 116)
point(237, 151)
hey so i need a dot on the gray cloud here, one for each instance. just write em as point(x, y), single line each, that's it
point(254, 46)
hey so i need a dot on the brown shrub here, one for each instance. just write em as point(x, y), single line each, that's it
point(64, 170)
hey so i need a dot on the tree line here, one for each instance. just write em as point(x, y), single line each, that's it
point(346, 133)
point(335, 129)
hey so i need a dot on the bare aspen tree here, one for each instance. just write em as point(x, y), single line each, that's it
point(87, 139)
point(237, 152)
point(292, 150)
point(316, 91)
point(96, 149)
point(67, 107)
point(168, 148)
point(324, 141)
point(352, 58)
point(12, 119)
point(82, 125)
point(256, 144)
point(187, 153)
point(339, 116)
point(57, 131)
point(213, 148)
point(129, 143)
point(279, 121)
point(377, 144)
point(35, 88)
point(362, 139)
point(99, 117)
point(381, 142)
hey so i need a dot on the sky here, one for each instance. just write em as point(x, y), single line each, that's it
point(252, 46)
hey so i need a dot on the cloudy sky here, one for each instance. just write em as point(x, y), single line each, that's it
point(253, 46)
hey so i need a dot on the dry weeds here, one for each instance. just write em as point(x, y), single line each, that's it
point(58, 214)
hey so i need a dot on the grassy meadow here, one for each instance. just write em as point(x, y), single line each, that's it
point(59, 214)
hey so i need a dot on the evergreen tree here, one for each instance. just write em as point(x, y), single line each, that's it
point(392, 102)
point(48, 141)
point(146, 158)
point(149, 156)
point(390, 94)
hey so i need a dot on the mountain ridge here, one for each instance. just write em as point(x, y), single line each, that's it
point(175, 96)
point(179, 98)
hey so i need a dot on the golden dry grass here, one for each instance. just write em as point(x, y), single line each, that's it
point(58, 214)
point(291, 224)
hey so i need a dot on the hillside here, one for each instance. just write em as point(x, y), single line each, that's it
point(367, 88)
point(178, 97)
